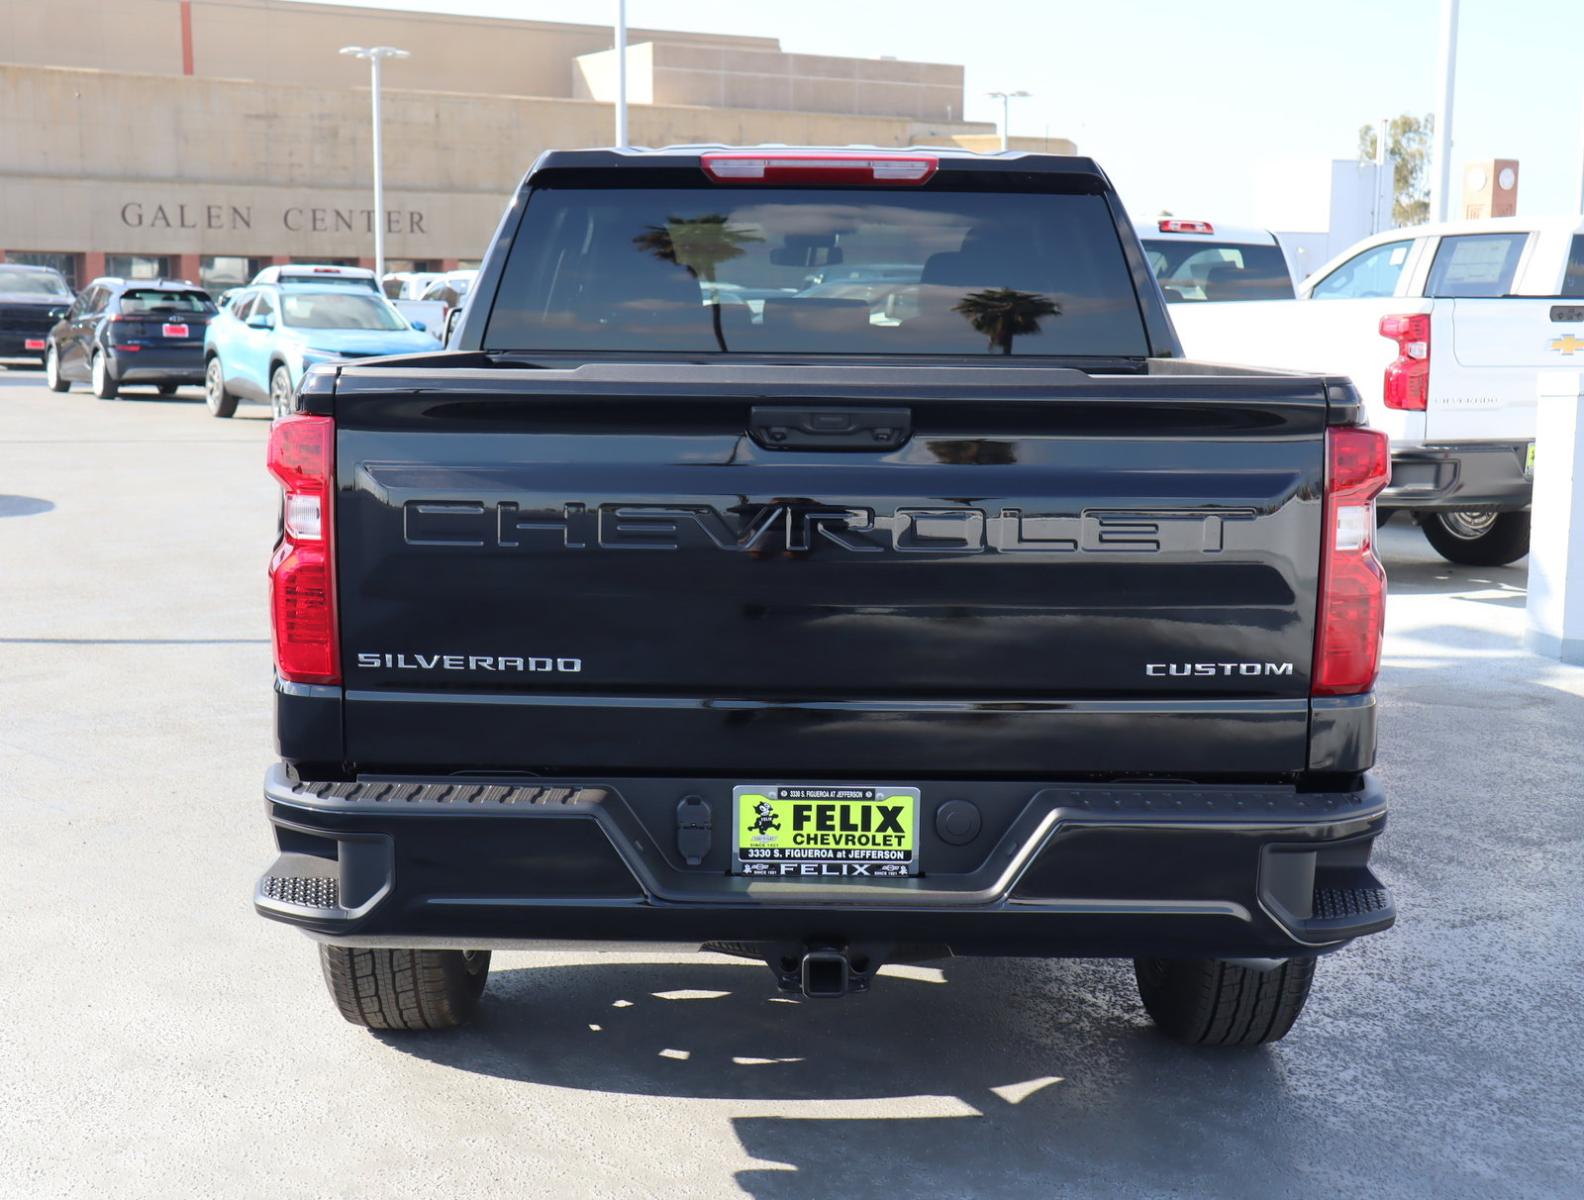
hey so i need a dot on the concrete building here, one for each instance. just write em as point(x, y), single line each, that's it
point(203, 138)
point(1319, 207)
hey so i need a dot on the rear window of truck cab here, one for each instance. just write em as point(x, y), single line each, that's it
point(1221, 271)
point(786, 270)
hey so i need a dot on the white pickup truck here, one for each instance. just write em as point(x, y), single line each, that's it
point(1444, 329)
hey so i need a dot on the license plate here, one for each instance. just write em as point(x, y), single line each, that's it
point(174, 330)
point(33, 343)
point(815, 830)
point(1529, 460)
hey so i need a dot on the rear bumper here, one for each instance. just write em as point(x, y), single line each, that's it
point(1484, 476)
point(14, 343)
point(156, 364)
point(1057, 869)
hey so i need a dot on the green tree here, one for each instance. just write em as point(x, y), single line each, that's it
point(1408, 142)
point(700, 244)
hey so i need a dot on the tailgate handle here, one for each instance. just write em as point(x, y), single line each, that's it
point(1570, 313)
point(787, 428)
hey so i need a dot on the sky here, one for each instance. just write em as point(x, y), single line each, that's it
point(1186, 103)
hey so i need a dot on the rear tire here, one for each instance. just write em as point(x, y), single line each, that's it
point(405, 989)
point(167, 389)
point(221, 402)
point(52, 372)
point(104, 384)
point(1207, 1002)
point(1478, 539)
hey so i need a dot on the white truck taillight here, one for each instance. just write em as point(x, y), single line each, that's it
point(302, 570)
point(1407, 382)
point(1352, 611)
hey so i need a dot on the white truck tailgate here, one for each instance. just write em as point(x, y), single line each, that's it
point(1484, 376)
point(1339, 337)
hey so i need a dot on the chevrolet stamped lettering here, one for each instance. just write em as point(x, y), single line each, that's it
point(798, 527)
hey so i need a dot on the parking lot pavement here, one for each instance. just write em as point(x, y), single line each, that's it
point(160, 1040)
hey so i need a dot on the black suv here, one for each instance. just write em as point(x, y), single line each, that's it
point(125, 331)
point(31, 300)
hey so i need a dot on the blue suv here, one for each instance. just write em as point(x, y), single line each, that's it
point(267, 336)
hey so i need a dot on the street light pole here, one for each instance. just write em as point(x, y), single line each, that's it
point(1006, 99)
point(376, 55)
point(621, 73)
point(1446, 65)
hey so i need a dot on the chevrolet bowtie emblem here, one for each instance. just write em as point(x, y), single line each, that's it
point(1567, 343)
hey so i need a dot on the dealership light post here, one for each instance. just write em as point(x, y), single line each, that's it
point(375, 55)
point(1446, 74)
point(621, 73)
point(1006, 99)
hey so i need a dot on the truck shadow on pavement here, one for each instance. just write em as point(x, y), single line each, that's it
point(973, 1077)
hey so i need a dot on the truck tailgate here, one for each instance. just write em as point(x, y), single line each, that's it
point(604, 568)
point(1498, 347)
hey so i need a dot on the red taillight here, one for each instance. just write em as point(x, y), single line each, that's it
point(1408, 377)
point(302, 570)
point(1172, 225)
point(793, 167)
point(1352, 611)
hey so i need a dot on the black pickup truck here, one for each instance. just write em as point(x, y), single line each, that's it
point(825, 557)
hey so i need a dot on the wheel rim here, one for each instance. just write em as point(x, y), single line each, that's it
point(280, 394)
point(99, 372)
point(212, 385)
point(1467, 526)
point(51, 367)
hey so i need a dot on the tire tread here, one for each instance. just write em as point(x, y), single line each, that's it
point(1207, 1002)
point(402, 989)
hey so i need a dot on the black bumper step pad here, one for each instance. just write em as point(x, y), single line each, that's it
point(1332, 904)
point(305, 891)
